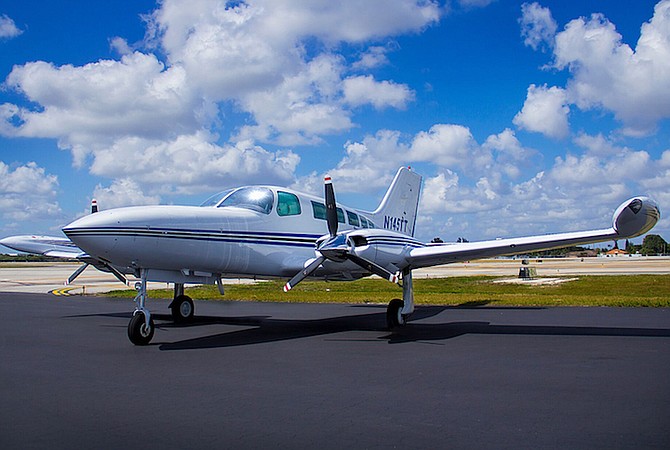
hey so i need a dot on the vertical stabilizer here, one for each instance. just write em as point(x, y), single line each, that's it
point(397, 211)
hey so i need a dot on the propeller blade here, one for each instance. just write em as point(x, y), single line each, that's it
point(311, 267)
point(331, 208)
point(373, 267)
point(76, 273)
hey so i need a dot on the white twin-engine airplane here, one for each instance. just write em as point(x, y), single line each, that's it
point(270, 232)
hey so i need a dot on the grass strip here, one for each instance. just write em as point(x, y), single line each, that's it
point(619, 290)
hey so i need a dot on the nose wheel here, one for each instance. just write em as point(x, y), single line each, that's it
point(394, 316)
point(141, 327)
point(140, 331)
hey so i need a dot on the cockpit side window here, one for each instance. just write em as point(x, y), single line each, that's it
point(288, 204)
point(257, 199)
point(216, 198)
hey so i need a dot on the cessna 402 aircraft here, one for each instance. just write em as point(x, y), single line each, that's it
point(270, 232)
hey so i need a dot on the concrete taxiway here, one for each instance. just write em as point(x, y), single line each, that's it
point(260, 375)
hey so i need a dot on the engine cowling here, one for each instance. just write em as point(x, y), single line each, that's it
point(635, 217)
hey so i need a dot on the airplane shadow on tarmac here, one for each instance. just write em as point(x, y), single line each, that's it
point(263, 329)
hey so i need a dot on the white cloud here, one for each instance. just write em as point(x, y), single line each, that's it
point(8, 28)
point(252, 56)
point(544, 111)
point(91, 106)
point(606, 73)
point(361, 90)
point(27, 192)
point(373, 57)
point(538, 27)
point(193, 164)
point(447, 145)
point(122, 192)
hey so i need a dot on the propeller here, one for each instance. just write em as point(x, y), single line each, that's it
point(336, 247)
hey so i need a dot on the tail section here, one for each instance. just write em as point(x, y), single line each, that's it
point(397, 211)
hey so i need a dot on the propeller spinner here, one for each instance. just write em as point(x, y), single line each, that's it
point(336, 247)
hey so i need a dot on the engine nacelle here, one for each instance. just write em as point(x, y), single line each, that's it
point(635, 217)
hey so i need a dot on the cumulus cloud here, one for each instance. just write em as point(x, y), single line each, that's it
point(140, 112)
point(27, 191)
point(545, 111)
point(8, 28)
point(192, 164)
point(363, 90)
point(608, 74)
point(122, 192)
point(538, 27)
point(93, 105)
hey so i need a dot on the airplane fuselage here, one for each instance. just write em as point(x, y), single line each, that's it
point(265, 232)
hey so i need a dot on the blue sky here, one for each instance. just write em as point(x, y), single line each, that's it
point(523, 117)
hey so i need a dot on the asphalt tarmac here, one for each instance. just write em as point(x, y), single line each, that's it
point(266, 375)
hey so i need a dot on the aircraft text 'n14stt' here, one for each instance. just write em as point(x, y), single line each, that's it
point(270, 232)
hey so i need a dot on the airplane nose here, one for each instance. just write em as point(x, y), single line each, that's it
point(90, 233)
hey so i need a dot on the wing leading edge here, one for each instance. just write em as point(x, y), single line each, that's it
point(633, 218)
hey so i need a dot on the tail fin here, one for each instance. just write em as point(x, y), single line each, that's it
point(397, 211)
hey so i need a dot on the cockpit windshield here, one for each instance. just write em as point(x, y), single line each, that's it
point(257, 199)
point(216, 198)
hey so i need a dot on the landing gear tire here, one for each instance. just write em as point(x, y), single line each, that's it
point(394, 317)
point(182, 309)
point(138, 332)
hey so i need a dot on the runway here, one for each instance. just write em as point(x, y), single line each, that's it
point(259, 375)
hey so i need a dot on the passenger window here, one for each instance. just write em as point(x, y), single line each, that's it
point(319, 210)
point(364, 222)
point(353, 219)
point(287, 204)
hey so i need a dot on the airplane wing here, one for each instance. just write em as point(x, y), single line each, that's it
point(633, 218)
point(57, 247)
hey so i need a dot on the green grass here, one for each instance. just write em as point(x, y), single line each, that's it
point(624, 290)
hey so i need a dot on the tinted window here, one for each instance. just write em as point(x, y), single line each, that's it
point(319, 210)
point(254, 198)
point(364, 222)
point(353, 219)
point(287, 204)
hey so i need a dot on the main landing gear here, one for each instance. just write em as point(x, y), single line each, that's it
point(398, 311)
point(182, 306)
point(141, 327)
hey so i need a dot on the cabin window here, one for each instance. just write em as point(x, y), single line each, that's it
point(287, 204)
point(257, 199)
point(364, 222)
point(319, 210)
point(353, 219)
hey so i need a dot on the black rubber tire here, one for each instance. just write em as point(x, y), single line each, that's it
point(393, 317)
point(182, 309)
point(137, 330)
